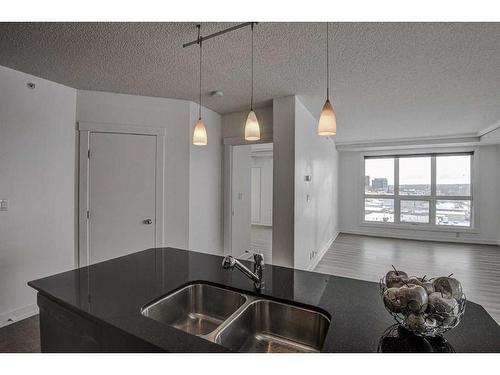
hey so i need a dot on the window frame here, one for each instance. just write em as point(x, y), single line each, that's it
point(432, 198)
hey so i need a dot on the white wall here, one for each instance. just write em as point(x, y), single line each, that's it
point(316, 208)
point(284, 180)
point(205, 186)
point(302, 227)
point(193, 198)
point(174, 115)
point(486, 200)
point(37, 174)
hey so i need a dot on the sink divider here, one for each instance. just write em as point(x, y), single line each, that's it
point(249, 299)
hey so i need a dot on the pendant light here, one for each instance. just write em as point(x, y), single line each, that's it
point(200, 132)
point(327, 120)
point(252, 128)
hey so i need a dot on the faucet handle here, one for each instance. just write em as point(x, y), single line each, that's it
point(258, 258)
point(228, 262)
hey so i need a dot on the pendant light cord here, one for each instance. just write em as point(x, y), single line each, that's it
point(200, 43)
point(251, 95)
point(327, 66)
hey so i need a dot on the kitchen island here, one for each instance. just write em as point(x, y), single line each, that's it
point(98, 308)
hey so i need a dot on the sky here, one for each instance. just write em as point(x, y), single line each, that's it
point(417, 170)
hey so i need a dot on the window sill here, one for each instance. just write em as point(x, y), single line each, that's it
point(422, 227)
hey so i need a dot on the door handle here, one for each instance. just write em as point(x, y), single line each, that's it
point(148, 221)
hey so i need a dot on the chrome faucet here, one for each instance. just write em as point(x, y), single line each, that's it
point(228, 263)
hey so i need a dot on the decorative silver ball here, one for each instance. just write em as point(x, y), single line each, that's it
point(425, 308)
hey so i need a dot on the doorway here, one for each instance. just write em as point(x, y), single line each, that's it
point(121, 191)
point(251, 200)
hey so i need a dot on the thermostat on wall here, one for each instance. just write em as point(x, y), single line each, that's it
point(4, 204)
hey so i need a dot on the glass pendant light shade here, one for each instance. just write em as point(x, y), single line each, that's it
point(327, 120)
point(200, 131)
point(252, 128)
point(200, 134)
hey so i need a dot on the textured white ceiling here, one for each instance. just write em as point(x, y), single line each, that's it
point(388, 79)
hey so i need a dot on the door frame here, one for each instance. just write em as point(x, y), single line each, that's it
point(85, 129)
point(229, 144)
point(228, 201)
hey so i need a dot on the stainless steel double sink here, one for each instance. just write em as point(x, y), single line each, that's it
point(240, 321)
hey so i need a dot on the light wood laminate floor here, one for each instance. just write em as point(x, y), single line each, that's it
point(261, 240)
point(21, 337)
point(369, 258)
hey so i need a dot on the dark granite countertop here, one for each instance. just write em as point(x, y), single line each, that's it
point(114, 292)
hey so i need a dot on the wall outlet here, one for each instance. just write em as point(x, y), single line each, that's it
point(4, 204)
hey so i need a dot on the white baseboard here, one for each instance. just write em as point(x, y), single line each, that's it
point(16, 315)
point(321, 252)
point(419, 237)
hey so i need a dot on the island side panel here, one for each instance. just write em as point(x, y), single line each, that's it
point(65, 331)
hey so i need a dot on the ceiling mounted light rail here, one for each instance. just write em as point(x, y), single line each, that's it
point(200, 131)
point(252, 128)
point(327, 120)
point(218, 33)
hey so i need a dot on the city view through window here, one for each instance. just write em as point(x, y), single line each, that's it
point(402, 189)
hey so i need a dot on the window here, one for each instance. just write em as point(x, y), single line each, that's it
point(379, 210)
point(383, 183)
point(453, 175)
point(415, 176)
point(428, 190)
point(414, 211)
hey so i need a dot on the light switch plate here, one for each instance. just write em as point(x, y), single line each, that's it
point(4, 204)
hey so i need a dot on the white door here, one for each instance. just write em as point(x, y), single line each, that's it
point(256, 195)
point(262, 190)
point(241, 200)
point(121, 194)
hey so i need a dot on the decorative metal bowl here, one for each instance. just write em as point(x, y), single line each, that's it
point(432, 323)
